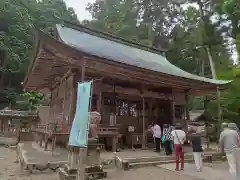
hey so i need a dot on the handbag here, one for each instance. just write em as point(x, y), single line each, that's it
point(163, 139)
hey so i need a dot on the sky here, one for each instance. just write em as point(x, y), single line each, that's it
point(79, 7)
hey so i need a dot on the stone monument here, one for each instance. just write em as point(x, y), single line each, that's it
point(93, 169)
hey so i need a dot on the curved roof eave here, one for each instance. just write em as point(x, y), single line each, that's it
point(121, 53)
point(34, 55)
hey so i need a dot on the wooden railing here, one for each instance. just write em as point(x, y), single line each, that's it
point(51, 127)
point(108, 129)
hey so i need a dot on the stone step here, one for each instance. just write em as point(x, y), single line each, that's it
point(153, 163)
point(152, 159)
point(128, 163)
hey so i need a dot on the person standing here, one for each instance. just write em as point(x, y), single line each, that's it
point(228, 142)
point(167, 139)
point(156, 130)
point(179, 136)
point(195, 140)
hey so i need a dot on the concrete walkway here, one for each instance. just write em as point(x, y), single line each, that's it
point(208, 173)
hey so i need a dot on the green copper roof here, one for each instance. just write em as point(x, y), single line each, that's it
point(118, 52)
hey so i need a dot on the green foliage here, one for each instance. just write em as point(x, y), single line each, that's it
point(30, 100)
point(230, 99)
point(17, 17)
point(238, 47)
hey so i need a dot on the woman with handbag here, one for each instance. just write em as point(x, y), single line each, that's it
point(179, 136)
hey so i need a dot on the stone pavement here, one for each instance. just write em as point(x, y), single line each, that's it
point(35, 155)
point(8, 141)
point(208, 173)
point(147, 173)
point(10, 170)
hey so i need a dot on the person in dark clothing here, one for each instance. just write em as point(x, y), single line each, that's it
point(167, 139)
point(195, 140)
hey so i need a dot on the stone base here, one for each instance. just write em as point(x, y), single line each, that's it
point(93, 172)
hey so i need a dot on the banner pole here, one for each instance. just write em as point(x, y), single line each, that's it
point(82, 151)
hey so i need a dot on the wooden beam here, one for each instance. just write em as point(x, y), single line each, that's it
point(64, 77)
point(134, 92)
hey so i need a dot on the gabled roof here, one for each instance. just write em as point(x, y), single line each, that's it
point(112, 49)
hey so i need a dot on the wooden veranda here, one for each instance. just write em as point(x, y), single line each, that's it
point(134, 84)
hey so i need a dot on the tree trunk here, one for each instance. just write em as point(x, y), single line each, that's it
point(211, 63)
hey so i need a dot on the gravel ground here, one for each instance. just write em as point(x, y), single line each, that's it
point(10, 170)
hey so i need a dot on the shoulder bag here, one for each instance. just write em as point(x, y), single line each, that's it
point(181, 145)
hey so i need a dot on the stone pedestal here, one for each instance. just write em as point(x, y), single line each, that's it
point(93, 170)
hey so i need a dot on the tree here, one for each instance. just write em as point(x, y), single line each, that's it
point(229, 15)
point(17, 18)
point(163, 24)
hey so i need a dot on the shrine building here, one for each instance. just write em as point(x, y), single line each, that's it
point(133, 85)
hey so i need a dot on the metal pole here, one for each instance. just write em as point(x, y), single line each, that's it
point(82, 151)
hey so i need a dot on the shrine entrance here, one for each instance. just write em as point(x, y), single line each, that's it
point(164, 111)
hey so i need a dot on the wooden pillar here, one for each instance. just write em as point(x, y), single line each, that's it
point(73, 95)
point(187, 110)
point(173, 109)
point(72, 154)
point(173, 112)
point(143, 123)
point(50, 108)
point(64, 102)
point(219, 112)
point(150, 111)
point(99, 97)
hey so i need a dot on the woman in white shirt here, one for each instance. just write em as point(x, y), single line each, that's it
point(156, 130)
point(179, 136)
